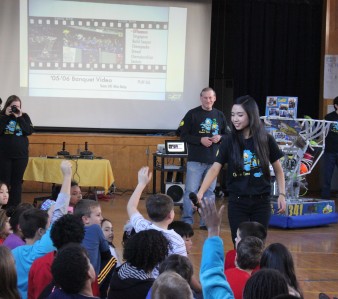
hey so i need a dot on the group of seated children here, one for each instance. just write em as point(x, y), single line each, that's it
point(273, 279)
point(62, 255)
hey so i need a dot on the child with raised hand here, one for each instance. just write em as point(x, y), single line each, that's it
point(264, 284)
point(3, 194)
point(213, 280)
point(160, 209)
point(35, 227)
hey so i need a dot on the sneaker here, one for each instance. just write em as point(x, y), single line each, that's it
point(203, 227)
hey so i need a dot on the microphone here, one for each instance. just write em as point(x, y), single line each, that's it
point(194, 200)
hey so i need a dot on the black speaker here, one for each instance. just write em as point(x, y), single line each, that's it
point(175, 191)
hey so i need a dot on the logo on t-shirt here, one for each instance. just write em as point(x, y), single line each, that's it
point(251, 163)
point(210, 126)
point(334, 127)
point(13, 128)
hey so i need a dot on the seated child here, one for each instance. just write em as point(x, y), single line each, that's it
point(4, 226)
point(171, 285)
point(67, 229)
point(245, 229)
point(186, 232)
point(108, 232)
point(249, 252)
point(75, 194)
point(277, 256)
point(160, 209)
point(35, 227)
point(265, 284)
point(8, 277)
point(3, 194)
point(16, 238)
point(95, 243)
point(261, 285)
point(142, 252)
point(74, 280)
point(176, 263)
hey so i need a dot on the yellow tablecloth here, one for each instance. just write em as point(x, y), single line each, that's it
point(88, 173)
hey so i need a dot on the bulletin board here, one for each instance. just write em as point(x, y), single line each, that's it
point(281, 106)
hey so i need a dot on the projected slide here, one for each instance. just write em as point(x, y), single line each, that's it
point(99, 50)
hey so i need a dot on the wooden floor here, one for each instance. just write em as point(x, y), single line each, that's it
point(315, 250)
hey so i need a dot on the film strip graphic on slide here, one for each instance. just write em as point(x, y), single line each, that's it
point(97, 45)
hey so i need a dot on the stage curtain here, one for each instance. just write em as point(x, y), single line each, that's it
point(274, 48)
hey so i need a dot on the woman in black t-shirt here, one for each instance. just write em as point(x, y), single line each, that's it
point(15, 126)
point(248, 150)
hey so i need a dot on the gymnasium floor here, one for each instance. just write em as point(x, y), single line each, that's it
point(315, 250)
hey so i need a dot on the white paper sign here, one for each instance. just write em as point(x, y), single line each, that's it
point(331, 76)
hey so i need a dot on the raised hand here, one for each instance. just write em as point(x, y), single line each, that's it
point(211, 216)
point(66, 167)
point(144, 176)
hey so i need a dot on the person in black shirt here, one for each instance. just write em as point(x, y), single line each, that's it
point(203, 128)
point(330, 157)
point(15, 126)
point(248, 150)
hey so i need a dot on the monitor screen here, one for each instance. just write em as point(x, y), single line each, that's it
point(173, 147)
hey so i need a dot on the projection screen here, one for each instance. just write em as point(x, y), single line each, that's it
point(137, 65)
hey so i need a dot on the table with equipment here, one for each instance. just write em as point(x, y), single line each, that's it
point(87, 172)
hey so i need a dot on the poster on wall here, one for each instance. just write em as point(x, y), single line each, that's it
point(278, 106)
point(280, 109)
point(331, 76)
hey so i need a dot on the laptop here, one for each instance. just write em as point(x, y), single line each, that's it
point(175, 147)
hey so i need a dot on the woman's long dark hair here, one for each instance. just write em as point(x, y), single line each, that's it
point(277, 256)
point(9, 101)
point(257, 132)
point(8, 276)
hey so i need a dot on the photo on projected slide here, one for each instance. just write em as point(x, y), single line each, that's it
point(102, 50)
